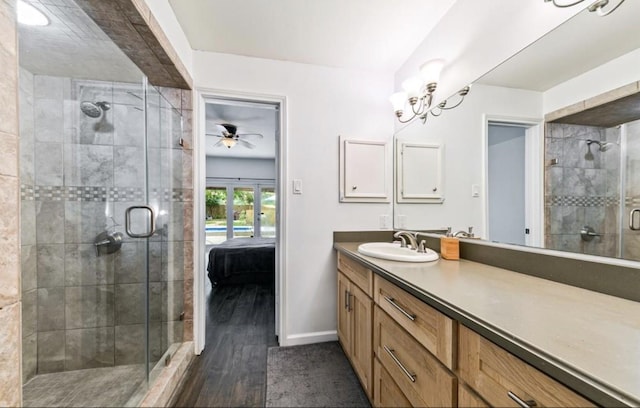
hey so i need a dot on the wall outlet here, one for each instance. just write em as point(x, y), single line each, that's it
point(384, 221)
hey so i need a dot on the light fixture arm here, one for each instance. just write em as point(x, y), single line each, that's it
point(597, 6)
point(564, 5)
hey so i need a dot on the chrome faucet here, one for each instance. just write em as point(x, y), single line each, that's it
point(404, 236)
point(465, 234)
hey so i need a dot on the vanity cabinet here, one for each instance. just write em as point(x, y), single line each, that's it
point(355, 318)
point(502, 379)
point(406, 353)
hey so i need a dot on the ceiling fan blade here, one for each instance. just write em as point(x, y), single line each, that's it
point(219, 143)
point(258, 135)
point(211, 134)
point(246, 144)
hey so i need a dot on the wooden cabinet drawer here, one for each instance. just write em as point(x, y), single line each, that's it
point(469, 399)
point(357, 273)
point(419, 375)
point(386, 392)
point(435, 331)
point(494, 372)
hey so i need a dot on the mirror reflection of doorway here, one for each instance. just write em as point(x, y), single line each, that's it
point(506, 152)
point(513, 183)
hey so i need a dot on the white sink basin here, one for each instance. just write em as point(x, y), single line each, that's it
point(393, 252)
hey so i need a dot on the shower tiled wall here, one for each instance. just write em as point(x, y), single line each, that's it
point(10, 296)
point(582, 189)
point(78, 175)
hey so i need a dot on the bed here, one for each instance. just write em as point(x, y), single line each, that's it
point(242, 260)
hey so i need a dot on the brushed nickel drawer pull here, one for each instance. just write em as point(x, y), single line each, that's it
point(522, 403)
point(346, 300)
point(409, 316)
point(350, 305)
point(412, 377)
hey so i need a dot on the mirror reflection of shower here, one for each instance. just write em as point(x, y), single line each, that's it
point(97, 110)
point(602, 146)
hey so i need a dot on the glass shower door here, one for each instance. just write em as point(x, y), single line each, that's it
point(165, 194)
point(630, 205)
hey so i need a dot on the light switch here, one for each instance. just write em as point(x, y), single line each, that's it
point(297, 186)
point(475, 190)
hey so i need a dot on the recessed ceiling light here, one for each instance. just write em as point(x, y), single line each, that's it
point(29, 15)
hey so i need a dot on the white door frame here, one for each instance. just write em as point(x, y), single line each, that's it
point(534, 174)
point(202, 96)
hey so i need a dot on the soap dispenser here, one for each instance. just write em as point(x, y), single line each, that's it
point(450, 246)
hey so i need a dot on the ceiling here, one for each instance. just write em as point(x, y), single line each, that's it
point(72, 45)
point(376, 35)
point(249, 117)
point(582, 43)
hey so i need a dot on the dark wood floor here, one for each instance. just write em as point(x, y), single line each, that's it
point(232, 370)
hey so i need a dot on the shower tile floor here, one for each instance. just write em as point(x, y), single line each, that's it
point(95, 387)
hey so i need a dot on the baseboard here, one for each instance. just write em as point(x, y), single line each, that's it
point(310, 338)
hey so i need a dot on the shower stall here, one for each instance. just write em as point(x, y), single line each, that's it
point(104, 199)
point(592, 178)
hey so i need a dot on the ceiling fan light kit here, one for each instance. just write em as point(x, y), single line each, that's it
point(228, 142)
point(229, 136)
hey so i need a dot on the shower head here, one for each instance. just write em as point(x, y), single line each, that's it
point(602, 146)
point(94, 110)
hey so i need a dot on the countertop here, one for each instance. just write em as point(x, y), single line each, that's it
point(588, 340)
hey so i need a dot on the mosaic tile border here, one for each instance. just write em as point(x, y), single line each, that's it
point(582, 201)
point(93, 193)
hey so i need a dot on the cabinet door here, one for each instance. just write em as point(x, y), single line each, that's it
point(361, 337)
point(386, 391)
point(419, 172)
point(344, 321)
point(364, 171)
point(499, 377)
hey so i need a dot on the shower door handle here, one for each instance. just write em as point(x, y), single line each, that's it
point(633, 226)
point(152, 221)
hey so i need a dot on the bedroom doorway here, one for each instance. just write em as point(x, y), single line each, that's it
point(239, 188)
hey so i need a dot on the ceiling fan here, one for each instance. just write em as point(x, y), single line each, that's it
point(229, 136)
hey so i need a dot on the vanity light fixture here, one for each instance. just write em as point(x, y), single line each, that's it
point(418, 93)
point(598, 6)
point(229, 142)
point(29, 15)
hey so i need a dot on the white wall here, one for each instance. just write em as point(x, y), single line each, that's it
point(223, 167)
point(614, 74)
point(461, 131)
point(321, 103)
point(475, 36)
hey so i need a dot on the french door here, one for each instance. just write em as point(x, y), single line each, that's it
point(240, 209)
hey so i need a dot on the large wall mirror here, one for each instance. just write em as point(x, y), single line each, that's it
point(545, 149)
